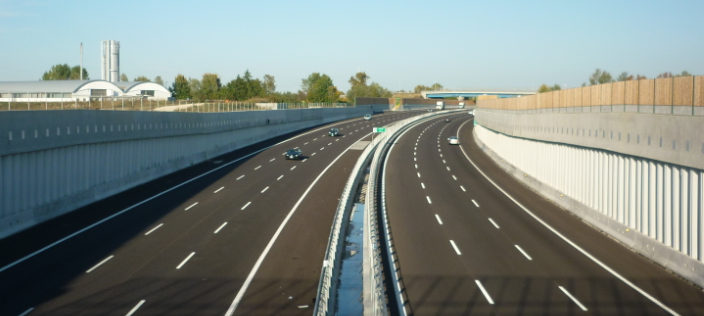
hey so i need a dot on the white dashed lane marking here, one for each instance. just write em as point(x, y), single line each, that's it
point(219, 228)
point(192, 205)
point(218, 190)
point(494, 223)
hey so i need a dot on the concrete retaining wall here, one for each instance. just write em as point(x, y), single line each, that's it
point(52, 162)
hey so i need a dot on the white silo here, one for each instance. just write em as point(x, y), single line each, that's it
point(110, 60)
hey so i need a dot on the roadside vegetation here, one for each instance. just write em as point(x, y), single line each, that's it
point(602, 76)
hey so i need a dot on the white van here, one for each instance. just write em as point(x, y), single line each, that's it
point(440, 105)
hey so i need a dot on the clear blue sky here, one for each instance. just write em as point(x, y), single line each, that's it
point(400, 44)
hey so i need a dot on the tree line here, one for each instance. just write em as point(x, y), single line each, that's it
point(602, 76)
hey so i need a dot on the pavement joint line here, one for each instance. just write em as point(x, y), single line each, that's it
point(27, 311)
point(495, 224)
point(219, 228)
point(570, 242)
point(475, 203)
point(279, 178)
point(523, 252)
point(151, 198)
point(463, 189)
point(240, 177)
point(438, 218)
point(250, 276)
point(153, 229)
point(218, 190)
point(574, 299)
point(257, 168)
point(429, 201)
point(457, 250)
point(190, 207)
point(100, 263)
point(267, 188)
point(135, 308)
point(245, 206)
point(185, 260)
point(486, 294)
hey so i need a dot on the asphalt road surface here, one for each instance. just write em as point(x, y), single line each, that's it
point(465, 248)
point(242, 234)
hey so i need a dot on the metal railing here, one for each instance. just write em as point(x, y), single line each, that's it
point(139, 103)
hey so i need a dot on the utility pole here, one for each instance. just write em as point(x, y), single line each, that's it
point(81, 61)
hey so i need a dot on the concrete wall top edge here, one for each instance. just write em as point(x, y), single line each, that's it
point(25, 131)
point(668, 138)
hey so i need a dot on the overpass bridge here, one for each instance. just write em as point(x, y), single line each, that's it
point(473, 93)
point(496, 224)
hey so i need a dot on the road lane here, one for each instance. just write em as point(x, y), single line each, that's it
point(216, 265)
point(522, 266)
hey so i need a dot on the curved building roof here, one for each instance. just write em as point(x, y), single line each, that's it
point(73, 86)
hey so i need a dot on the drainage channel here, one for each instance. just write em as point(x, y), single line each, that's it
point(350, 287)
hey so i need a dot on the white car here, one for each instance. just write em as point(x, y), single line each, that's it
point(368, 117)
point(453, 140)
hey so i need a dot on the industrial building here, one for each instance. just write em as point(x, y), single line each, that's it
point(79, 90)
point(110, 61)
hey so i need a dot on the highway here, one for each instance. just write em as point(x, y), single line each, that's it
point(464, 247)
point(241, 234)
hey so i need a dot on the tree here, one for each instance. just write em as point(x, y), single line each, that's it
point(600, 76)
point(624, 76)
point(194, 87)
point(64, 72)
point(209, 87)
point(142, 79)
point(684, 74)
point(320, 89)
point(269, 84)
point(359, 88)
point(180, 88)
point(639, 77)
point(159, 80)
point(666, 74)
point(545, 88)
point(123, 77)
point(420, 88)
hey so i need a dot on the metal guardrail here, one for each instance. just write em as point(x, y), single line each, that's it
point(327, 285)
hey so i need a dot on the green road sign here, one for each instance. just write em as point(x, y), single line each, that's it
point(379, 129)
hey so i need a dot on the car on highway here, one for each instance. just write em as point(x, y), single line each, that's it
point(334, 132)
point(368, 117)
point(430, 110)
point(447, 120)
point(293, 154)
point(452, 140)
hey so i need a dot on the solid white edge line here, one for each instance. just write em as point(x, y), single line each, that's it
point(250, 277)
point(486, 294)
point(457, 250)
point(584, 252)
point(190, 207)
point(219, 228)
point(151, 198)
point(495, 224)
point(185, 260)
point(27, 311)
point(475, 203)
point(523, 252)
point(245, 206)
point(429, 201)
point(153, 229)
point(438, 218)
point(574, 299)
point(135, 308)
point(218, 190)
point(100, 263)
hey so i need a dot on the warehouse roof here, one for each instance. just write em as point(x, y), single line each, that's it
point(71, 86)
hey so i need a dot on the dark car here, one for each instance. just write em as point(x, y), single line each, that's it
point(293, 154)
point(447, 120)
point(334, 132)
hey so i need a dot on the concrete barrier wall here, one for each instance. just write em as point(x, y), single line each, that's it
point(653, 207)
point(52, 162)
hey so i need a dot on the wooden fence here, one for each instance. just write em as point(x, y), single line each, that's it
point(678, 91)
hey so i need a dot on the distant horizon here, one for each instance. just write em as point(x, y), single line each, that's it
point(507, 45)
